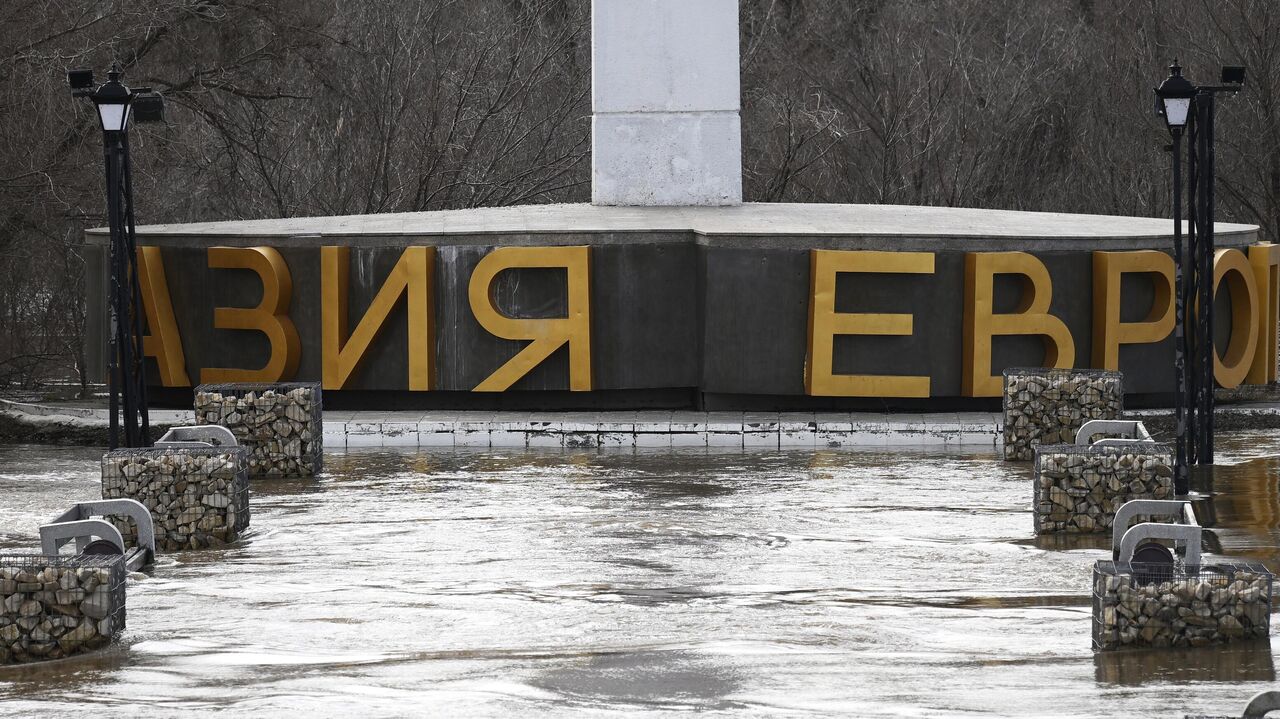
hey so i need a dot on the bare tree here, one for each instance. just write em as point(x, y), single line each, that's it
point(317, 107)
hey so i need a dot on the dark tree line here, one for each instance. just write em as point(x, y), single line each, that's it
point(319, 107)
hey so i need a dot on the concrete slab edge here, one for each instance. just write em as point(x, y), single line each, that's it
point(658, 429)
point(749, 430)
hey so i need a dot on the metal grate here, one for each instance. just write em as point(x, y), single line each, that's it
point(309, 459)
point(59, 606)
point(1154, 605)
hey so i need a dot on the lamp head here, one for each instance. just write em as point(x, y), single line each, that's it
point(113, 101)
point(1175, 95)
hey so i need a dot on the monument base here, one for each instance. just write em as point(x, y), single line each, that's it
point(760, 306)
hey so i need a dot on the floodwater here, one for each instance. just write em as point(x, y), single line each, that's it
point(893, 582)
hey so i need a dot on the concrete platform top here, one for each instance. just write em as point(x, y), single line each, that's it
point(750, 220)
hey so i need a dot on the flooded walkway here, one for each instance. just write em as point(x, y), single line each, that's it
point(515, 582)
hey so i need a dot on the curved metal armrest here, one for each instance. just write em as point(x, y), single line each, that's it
point(201, 435)
point(1189, 533)
point(1261, 704)
point(1177, 509)
point(83, 511)
point(1112, 427)
point(1117, 442)
point(1121, 431)
point(81, 531)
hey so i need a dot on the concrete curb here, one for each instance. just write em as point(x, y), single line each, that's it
point(656, 429)
point(596, 429)
point(750, 430)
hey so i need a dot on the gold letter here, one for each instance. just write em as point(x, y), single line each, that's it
point(548, 334)
point(1265, 259)
point(1108, 331)
point(410, 277)
point(270, 317)
point(1234, 266)
point(164, 343)
point(1031, 318)
point(825, 323)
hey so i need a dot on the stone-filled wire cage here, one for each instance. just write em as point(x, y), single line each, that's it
point(58, 606)
point(1079, 488)
point(1048, 406)
point(281, 423)
point(198, 497)
point(1139, 605)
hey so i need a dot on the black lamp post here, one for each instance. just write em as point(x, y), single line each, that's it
point(1190, 109)
point(116, 105)
point(1174, 97)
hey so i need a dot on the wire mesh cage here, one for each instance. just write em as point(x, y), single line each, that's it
point(1166, 605)
point(280, 423)
point(1048, 406)
point(198, 496)
point(58, 606)
point(1079, 488)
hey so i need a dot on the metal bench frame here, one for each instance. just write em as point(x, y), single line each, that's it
point(79, 525)
point(201, 435)
point(1262, 704)
point(1120, 431)
point(1184, 528)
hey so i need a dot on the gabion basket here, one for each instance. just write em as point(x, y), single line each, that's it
point(198, 496)
point(58, 606)
point(1079, 488)
point(281, 424)
point(1159, 605)
point(1046, 415)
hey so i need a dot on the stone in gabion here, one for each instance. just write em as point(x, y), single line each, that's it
point(198, 498)
point(1048, 406)
point(55, 607)
point(1193, 610)
point(1079, 489)
point(280, 424)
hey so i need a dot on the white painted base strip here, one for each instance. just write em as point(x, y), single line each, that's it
point(659, 429)
point(644, 429)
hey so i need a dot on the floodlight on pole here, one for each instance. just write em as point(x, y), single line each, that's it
point(81, 82)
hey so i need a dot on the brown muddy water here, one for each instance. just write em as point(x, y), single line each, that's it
point(900, 582)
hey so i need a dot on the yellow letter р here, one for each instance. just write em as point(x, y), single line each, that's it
point(1108, 331)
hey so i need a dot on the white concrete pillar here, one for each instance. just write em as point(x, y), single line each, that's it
point(665, 96)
